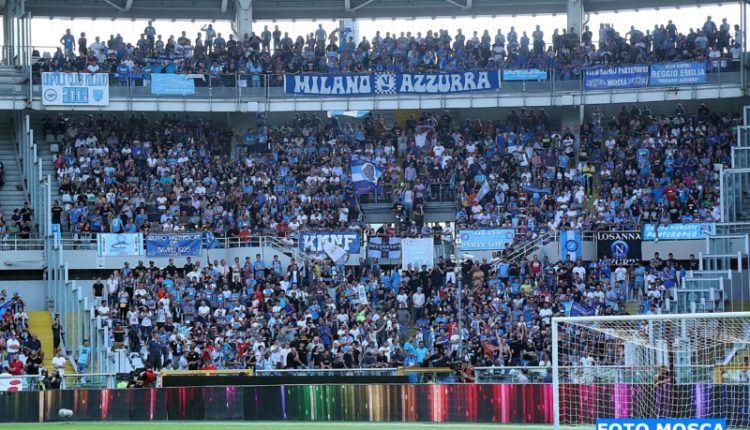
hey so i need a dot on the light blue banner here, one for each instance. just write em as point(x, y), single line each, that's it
point(687, 231)
point(683, 73)
point(604, 78)
point(525, 75)
point(571, 245)
point(391, 83)
point(168, 84)
point(662, 424)
point(174, 245)
point(119, 244)
point(322, 241)
point(493, 239)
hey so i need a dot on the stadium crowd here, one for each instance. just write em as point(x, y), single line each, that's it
point(178, 175)
point(277, 53)
point(175, 175)
point(257, 314)
point(20, 351)
point(630, 169)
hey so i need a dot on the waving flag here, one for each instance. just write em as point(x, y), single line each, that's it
point(578, 310)
point(365, 175)
point(483, 191)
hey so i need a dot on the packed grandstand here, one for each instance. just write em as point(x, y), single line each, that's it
point(167, 237)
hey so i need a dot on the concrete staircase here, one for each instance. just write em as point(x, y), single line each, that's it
point(631, 308)
point(13, 81)
point(12, 194)
point(47, 156)
point(40, 324)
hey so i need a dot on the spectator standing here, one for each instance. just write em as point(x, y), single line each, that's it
point(68, 41)
point(83, 356)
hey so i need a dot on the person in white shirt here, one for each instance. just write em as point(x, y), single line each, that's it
point(103, 314)
point(58, 363)
point(579, 270)
point(12, 347)
point(418, 300)
point(113, 286)
point(204, 310)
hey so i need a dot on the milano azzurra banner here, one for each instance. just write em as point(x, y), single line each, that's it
point(391, 83)
point(75, 89)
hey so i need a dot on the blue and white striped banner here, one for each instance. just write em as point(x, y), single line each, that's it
point(571, 245)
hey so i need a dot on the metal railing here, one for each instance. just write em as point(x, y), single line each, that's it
point(269, 86)
point(434, 192)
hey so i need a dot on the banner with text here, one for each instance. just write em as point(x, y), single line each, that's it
point(119, 244)
point(331, 243)
point(525, 75)
point(624, 247)
point(687, 231)
point(604, 78)
point(384, 247)
point(417, 253)
point(661, 424)
point(75, 89)
point(169, 84)
point(683, 73)
point(493, 239)
point(174, 245)
point(391, 83)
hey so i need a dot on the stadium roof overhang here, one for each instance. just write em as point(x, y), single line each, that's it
point(327, 9)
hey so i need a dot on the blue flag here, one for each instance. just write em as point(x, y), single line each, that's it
point(5, 306)
point(365, 175)
point(578, 310)
point(210, 241)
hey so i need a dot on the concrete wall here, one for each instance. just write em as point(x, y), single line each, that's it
point(32, 293)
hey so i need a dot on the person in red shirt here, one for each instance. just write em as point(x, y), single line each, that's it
point(145, 379)
point(16, 367)
point(536, 266)
point(244, 235)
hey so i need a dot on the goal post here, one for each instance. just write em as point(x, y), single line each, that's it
point(651, 366)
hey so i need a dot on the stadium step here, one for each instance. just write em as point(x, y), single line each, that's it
point(632, 308)
point(12, 194)
point(40, 324)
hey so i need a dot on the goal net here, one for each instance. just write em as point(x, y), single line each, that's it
point(655, 366)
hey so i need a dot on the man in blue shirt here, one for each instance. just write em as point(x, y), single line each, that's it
point(68, 42)
point(259, 267)
point(82, 360)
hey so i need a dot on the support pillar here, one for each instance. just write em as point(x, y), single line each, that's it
point(16, 32)
point(243, 18)
point(350, 28)
point(575, 16)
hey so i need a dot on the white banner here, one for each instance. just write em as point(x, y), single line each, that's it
point(75, 89)
point(11, 384)
point(119, 244)
point(417, 252)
